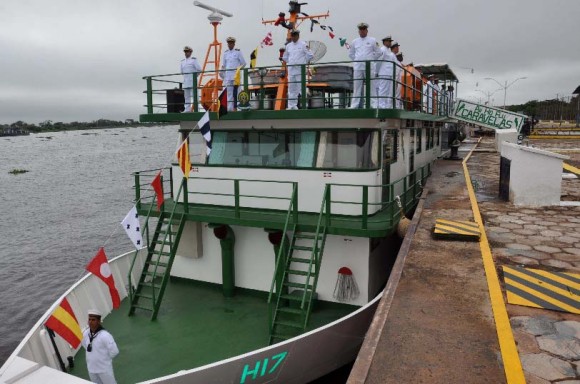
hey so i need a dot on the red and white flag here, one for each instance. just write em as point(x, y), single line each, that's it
point(99, 266)
point(267, 41)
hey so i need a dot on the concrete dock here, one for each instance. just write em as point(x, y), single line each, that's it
point(444, 316)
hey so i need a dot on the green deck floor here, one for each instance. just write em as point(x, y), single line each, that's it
point(196, 325)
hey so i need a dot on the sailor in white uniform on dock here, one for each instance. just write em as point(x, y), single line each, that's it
point(361, 49)
point(296, 53)
point(232, 60)
point(188, 66)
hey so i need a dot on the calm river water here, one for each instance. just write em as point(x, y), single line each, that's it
point(56, 216)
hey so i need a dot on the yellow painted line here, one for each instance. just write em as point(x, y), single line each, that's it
point(571, 168)
point(509, 352)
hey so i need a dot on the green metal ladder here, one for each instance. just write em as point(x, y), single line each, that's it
point(295, 294)
point(161, 252)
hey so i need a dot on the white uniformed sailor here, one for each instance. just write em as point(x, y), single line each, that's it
point(189, 65)
point(428, 95)
point(231, 60)
point(362, 49)
point(296, 54)
point(100, 350)
point(399, 78)
point(383, 89)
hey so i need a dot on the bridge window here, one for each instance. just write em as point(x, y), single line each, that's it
point(348, 150)
point(263, 148)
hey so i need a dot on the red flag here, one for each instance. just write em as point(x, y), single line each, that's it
point(99, 266)
point(158, 187)
point(64, 322)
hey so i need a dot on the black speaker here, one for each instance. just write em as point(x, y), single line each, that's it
point(175, 101)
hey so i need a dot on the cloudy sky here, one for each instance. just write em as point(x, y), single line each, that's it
point(81, 60)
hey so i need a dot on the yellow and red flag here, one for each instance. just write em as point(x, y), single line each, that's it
point(65, 324)
point(183, 158)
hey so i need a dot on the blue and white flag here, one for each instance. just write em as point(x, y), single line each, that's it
point(203, 125)
point(131, 225)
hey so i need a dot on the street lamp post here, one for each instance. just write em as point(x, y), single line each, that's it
point(505, 86)
point(488, 94)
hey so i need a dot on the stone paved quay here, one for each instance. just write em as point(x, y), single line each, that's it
point(435, 325)
point(546, 238)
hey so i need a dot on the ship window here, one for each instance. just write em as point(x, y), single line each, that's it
point(348, 150)
point(263, 148)
point(419, 140)
point(390, 146)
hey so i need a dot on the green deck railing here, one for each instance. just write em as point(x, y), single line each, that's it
point(323, 86)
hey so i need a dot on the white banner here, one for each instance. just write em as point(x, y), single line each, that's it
point(485, 116)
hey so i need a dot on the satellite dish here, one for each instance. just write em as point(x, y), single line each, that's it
point(318, 49)
point(216, 14)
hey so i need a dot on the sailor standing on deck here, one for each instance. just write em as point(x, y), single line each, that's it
point(232, 60)
point(101, 349)
point(296, 53)
point(188, 66)
point(383, 90)
point(362, 48)
point(398, 72)
point(428, 95)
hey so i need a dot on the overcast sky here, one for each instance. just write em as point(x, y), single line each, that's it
point(80, 60)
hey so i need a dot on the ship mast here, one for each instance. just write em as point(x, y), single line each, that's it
point(213, 56)
point(293, 22)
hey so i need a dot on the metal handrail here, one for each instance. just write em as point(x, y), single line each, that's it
point(292, 212)
point(416, 93)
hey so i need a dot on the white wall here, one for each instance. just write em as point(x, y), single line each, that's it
point(535, 175)
point(310, 188)
point(255, 261)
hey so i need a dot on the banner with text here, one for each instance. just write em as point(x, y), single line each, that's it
point(485, 116)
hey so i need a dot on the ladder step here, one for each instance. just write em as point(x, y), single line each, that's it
point(150, 297)
point(149, 285)
point(305, 236)
point(157, 263)
point(302, 248)
point(293, 311)
point(143, 308)
point(297, 285)
point(292, 324)
point(300, 260)
point(291, 297)
point(301, 273)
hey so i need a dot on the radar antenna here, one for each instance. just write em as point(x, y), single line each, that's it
point(211, 86)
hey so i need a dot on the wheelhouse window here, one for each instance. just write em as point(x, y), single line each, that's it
point(419, 140)
point(348, 150)
point(330, 149)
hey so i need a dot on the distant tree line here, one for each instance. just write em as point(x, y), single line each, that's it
point(50, 126)
point(563, 108)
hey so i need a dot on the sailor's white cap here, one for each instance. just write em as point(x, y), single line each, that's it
point(394, 45)
point(94, 312)
point(362, 26)
point(187, 48)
